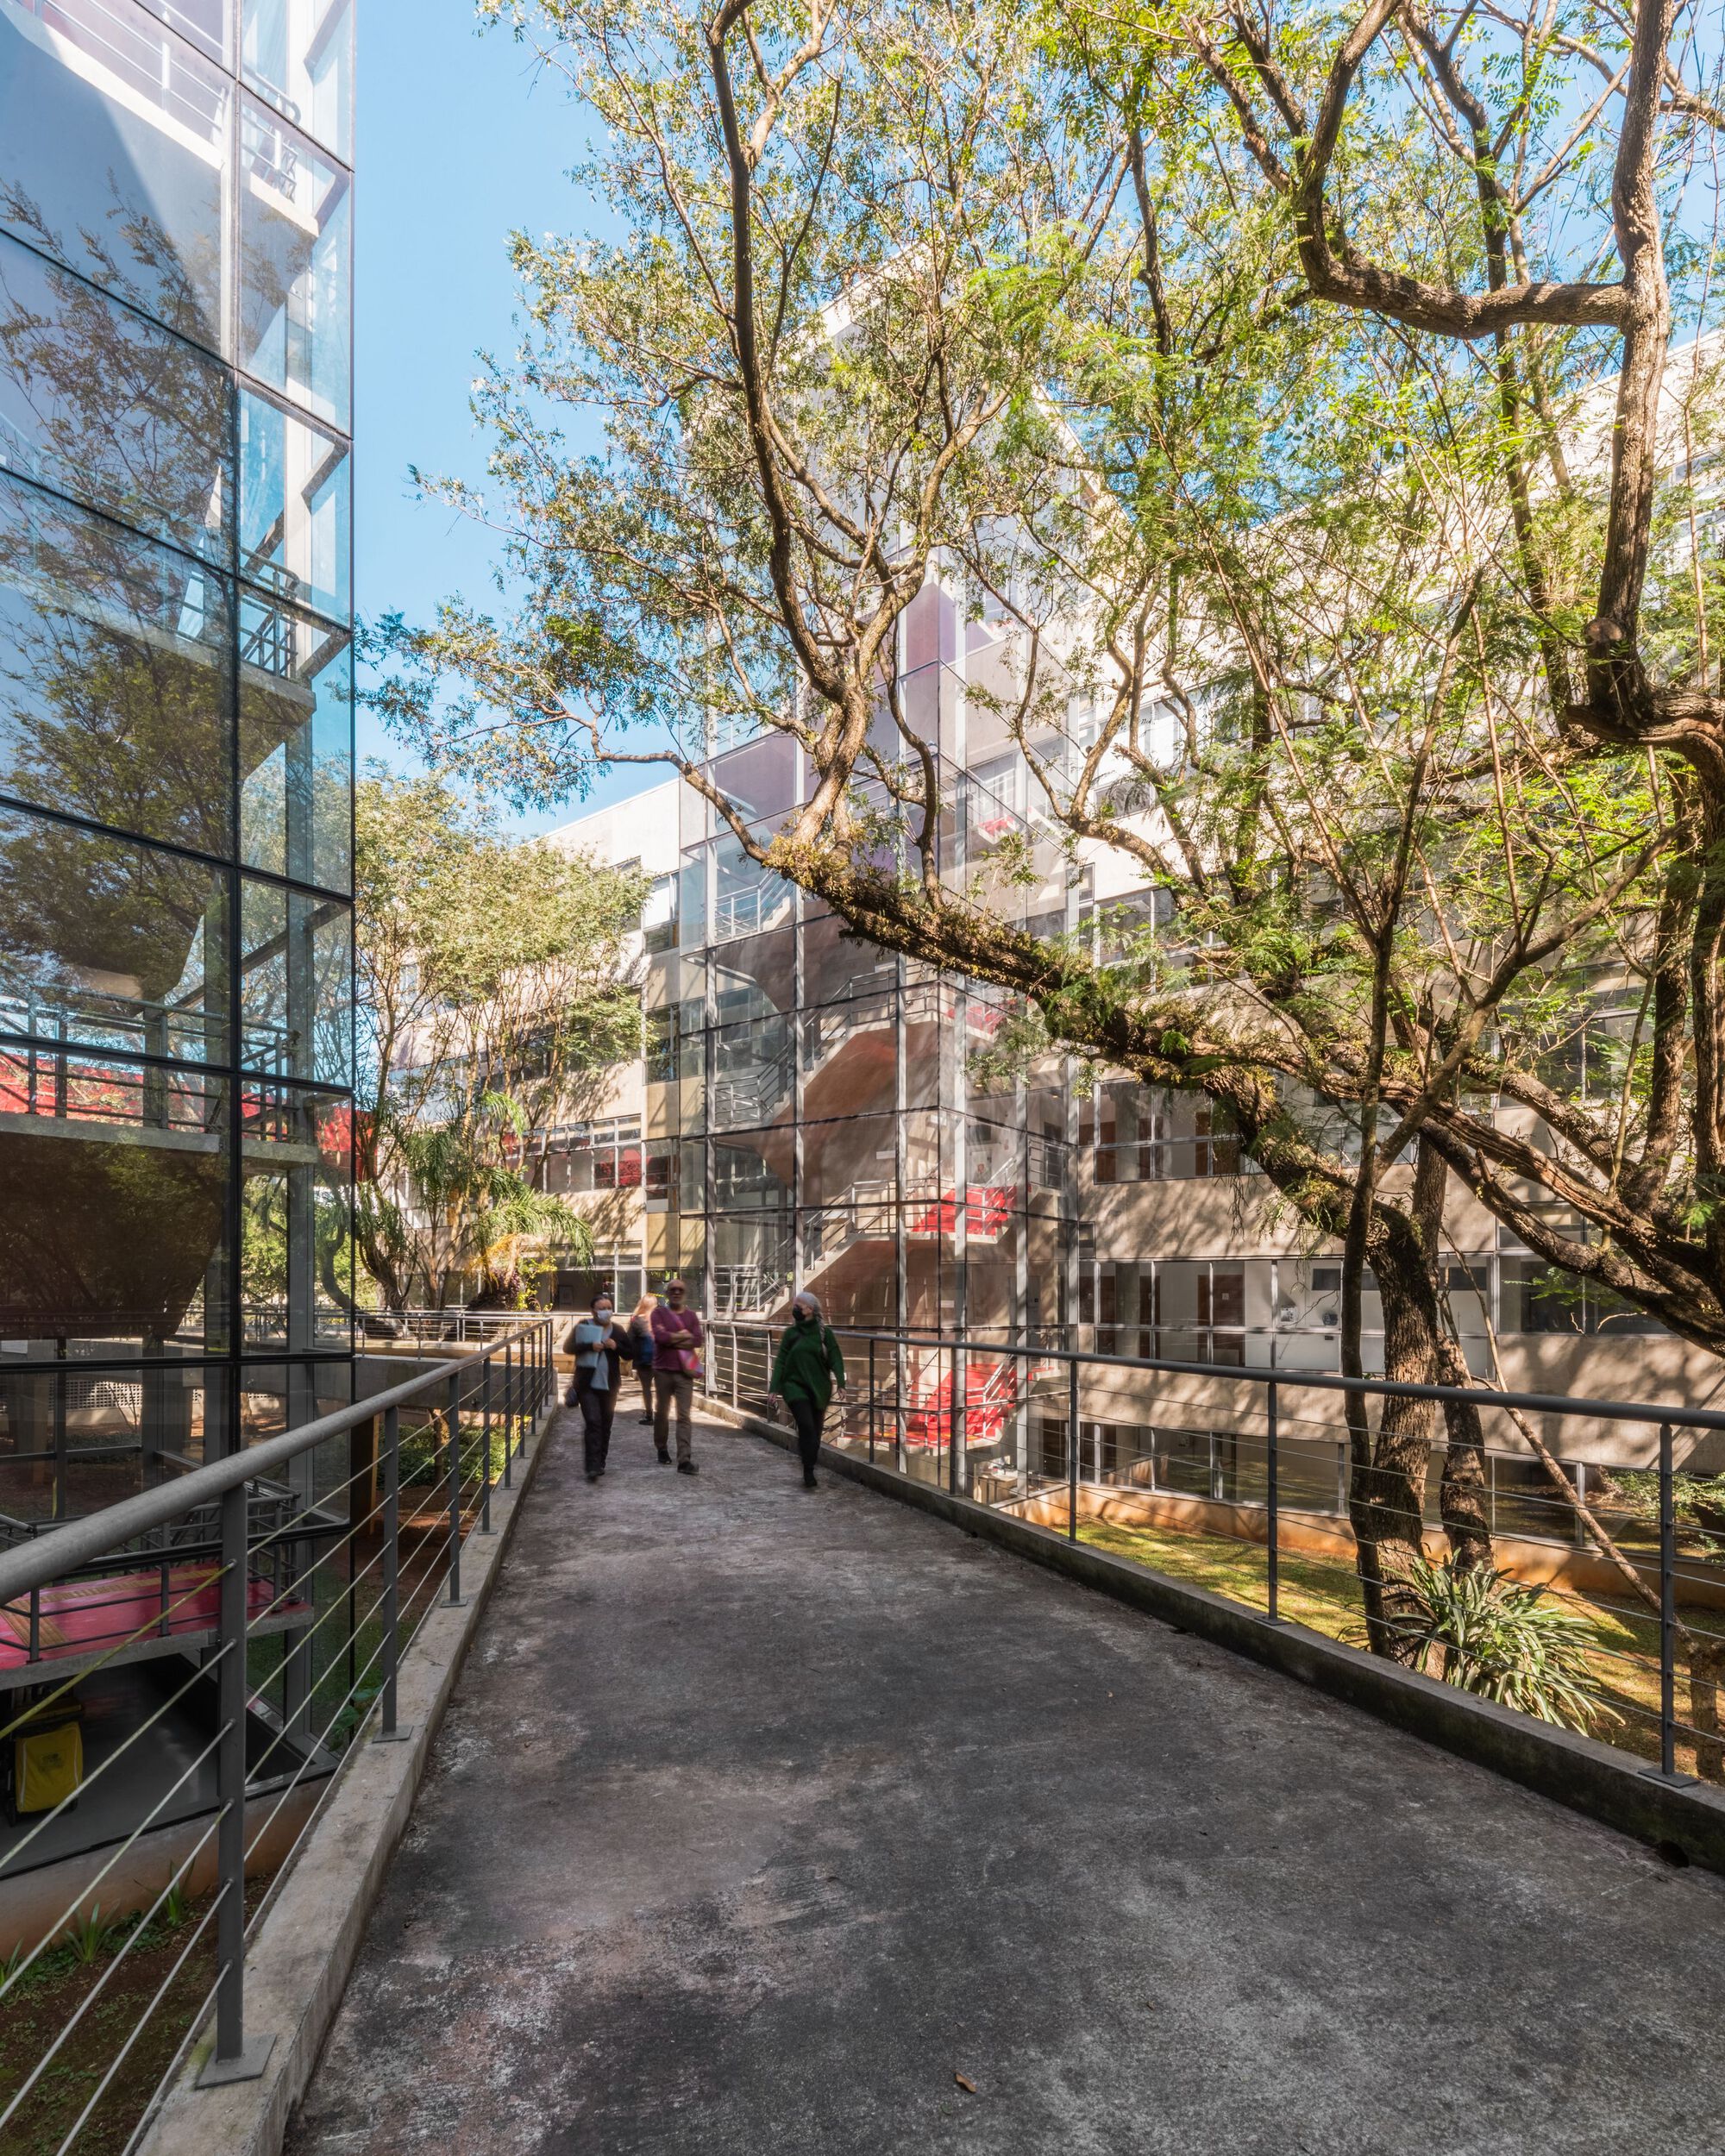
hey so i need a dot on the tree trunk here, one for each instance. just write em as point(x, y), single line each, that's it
point(1387, 1482)
point(1462, 1497)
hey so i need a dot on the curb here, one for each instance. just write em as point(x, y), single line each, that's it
point(1579, 1772)
point(297, 1968)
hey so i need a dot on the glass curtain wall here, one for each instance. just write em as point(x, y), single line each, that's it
point(176, 718)
point(836, 1126)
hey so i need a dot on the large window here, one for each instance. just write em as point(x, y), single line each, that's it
point(603, 1156)
point(98, 403)
point(296, 225)
point(298, 56)
point(113, 143)
point(114, 689)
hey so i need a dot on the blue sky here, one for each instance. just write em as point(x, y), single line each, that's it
point(458, 143)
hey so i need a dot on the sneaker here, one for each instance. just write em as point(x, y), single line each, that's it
point(663, 1456)
point(646, 1421)
point(688, 1467)
point(809, 1482)
point(593, 1475)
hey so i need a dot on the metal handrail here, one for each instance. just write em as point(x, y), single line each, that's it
point(277, 1598)
point(1069, 1362)
point(1679, 1418)
point(81, 1542)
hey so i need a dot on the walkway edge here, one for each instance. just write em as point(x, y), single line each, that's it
point(297, 1968)
point(1578, 1772)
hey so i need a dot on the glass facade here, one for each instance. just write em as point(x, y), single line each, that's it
point(826, 1106)
point(176, 723)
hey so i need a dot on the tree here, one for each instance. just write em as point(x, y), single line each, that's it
point(911, 293)
point(494, 988)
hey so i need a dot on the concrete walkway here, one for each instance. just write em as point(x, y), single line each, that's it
point(760, 1817)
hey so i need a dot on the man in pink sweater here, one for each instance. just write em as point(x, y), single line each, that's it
point(676, 1364)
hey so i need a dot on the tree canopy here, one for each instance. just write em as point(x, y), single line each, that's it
point(1284, 434)
point(495, 991)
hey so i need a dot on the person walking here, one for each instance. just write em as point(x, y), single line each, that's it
point(641, 1351)
point(677, 1341)
point(806, 1371)
point(599, 1344)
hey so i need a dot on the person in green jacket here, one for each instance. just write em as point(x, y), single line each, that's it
point(806, 1371)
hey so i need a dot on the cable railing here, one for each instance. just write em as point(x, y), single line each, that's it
point(1257, 1484)
point(243, 1623)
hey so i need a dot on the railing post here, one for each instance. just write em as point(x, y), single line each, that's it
point(490, 1385)
point(1072, 1450)
point(509, 1394)
point(871, 1400)
point(235, 2060)
point(484, 1454)
point(1667, 1766)
point(954, 1423)
point(1271, 1505)
point(958, 1459)
point(452, 1426)
point(389, 1730)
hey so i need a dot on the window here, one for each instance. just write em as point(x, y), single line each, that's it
point(113, 137)
point(300, 58)
point(295, 511)
point(295, 239)
point(113, 689)
point(659, 914)
point(1535, 1297)
point(604, 1155)
point(98, 403)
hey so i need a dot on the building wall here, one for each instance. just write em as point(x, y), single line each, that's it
point(176, 727)
point(820, 1114)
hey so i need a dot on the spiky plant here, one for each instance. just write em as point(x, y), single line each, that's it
point(1504, 1641)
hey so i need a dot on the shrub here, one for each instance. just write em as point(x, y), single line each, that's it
point(1507, 1642)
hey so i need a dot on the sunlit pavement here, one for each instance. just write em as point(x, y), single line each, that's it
point(762, 1817)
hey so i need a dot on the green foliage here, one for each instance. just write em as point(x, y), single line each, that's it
point(88, 1936)
point(496, 990)
point(1698, 1501)
point(1506, 1642)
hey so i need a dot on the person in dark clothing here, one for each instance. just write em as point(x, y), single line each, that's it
point(806, 1371)
point(599, 1344)
point(641, 1347)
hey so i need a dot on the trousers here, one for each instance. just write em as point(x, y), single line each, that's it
point(597, 1410)
point(673, 1388)
point(808, 1417)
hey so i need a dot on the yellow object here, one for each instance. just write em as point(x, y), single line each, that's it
point(48, 1766)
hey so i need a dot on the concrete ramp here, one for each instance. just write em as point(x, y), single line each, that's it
point(765, 1821)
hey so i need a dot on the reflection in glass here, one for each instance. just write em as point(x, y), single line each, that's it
point(294, 508)
point(101, 405)
point(751, 1073)
point(203, 22)
point(107, 944)
point(296, 984)
point(115, 1176)
point(113, 137)
point(298, 54)
point(297, 1254)
point(295, 228)
point(746, 897)
point(73, 1440)
point(296, 744)
point(113, 674)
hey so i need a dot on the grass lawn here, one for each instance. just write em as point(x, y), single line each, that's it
point(1326, 1597)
